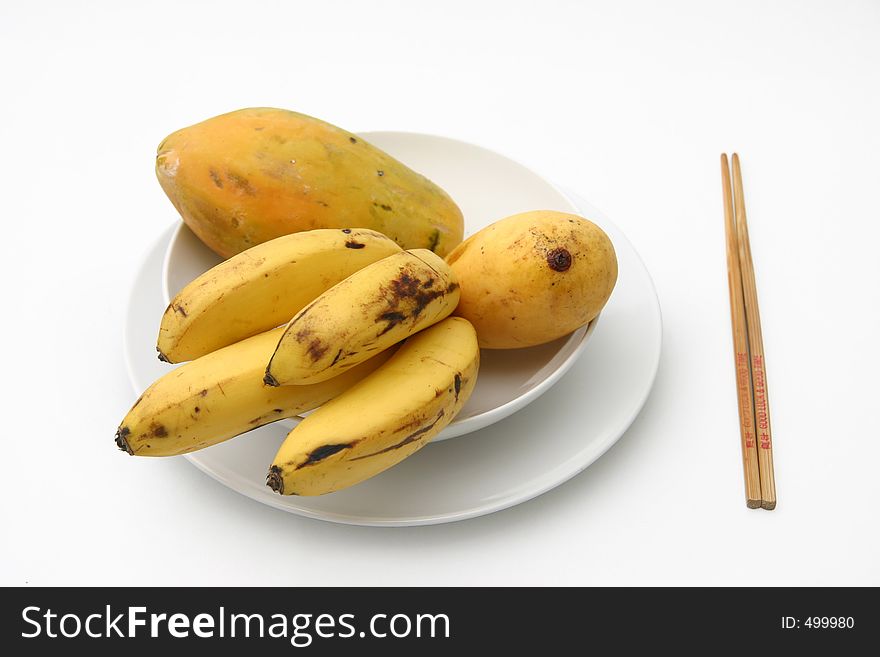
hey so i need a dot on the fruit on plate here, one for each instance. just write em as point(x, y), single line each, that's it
point(366, 313)
point(263, 287)
point(533, 277)
point(222, 395)
point(249, 176)
point(383, 419)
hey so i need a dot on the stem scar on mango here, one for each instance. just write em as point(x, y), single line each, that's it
point(559, 259)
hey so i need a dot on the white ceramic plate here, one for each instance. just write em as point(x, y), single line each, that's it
point(504, 464)
point(487, 187)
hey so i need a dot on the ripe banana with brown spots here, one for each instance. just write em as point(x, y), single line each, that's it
point(366, 313)
point(388, 416)
point(263, 287)
point(222, 395)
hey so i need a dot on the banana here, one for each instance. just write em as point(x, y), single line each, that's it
point(383, 419)
point(368, 312)
point(219, 396)
point(262, 288)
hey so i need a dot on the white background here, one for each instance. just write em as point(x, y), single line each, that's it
point(629, 104)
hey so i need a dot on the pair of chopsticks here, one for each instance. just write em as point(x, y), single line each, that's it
point(748, 347)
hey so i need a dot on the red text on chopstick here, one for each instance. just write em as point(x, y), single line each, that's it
point(742, 381)
point(761, 416)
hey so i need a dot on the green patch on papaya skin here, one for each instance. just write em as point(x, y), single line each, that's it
point(434, 240)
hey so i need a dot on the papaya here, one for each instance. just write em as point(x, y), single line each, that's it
point(249, 176)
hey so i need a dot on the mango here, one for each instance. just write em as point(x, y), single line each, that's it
point(533, 277)
point(250, 176)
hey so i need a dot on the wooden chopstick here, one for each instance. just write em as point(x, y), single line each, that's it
point(756, 345)
point(751, 471)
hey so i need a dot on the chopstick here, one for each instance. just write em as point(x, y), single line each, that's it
point(751, 471)
point(756, 346)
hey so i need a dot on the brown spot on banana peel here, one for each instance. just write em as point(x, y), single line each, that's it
point(336, 358)
point(393, 318)
point(317, 349)
point(158, 430)
point(405, 285)
point(415, 422)
point(179, 309)
point(424, 298)
point(320, 453)
point(457, 385)
point(351, 244)
point(411, 438)
point(270, 380)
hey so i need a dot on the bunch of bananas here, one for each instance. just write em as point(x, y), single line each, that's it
point(349, 298)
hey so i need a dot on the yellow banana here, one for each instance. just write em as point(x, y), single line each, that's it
point(383, 419)
point(262, 288)
point(219, 396)
point(368, 312)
